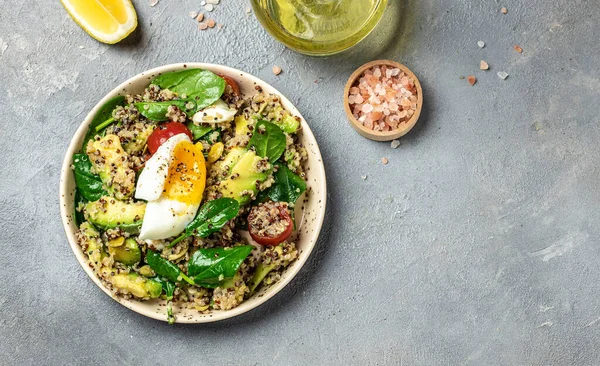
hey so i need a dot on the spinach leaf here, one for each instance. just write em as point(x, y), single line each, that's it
point(209, 267)
point(78, 214)
point(202, 86)
point(157, 111)
point(88, 183)
point(288, 187)
point(164, 268)
point(104, 113)
point(211, 217)
point(198, 131)
point(169, 288)
point(268, 140)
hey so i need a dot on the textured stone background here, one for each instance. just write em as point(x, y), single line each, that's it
point(477, 244)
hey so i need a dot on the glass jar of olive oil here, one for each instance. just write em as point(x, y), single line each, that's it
point(319, 27)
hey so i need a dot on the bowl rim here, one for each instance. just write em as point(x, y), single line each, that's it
point(217, 315)
point(382, 135)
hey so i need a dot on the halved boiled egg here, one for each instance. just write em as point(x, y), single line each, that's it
point(173, 183)
point(216, 113)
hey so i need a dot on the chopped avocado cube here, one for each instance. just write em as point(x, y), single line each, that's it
point(110, 213)
point(111, 162)
point(129, 253)
point(92, 244)
point(289, 123)
point(138, 143)
point(134, 284)
point(241, 125)
point(241, 183)
point(260, 273)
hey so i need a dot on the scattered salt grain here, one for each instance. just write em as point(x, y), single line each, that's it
point(472, 80)
point(193, 14)
point(481, 44)
point(213, 2)
point(395, 144)
point(209, 7)
point(248, 10)
point(202, 3)
point(504, 11)
point(153, 3)
point(200, 17)
point(518, 49)
point(202, 26)
point(81, 47)
point(211, 23)
point(364, 177)
point(276, 70)
point(502, 75)
point(484, 65)
point(220, 26)
point(384, 161)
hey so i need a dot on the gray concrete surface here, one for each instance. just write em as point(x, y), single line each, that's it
point(477, 244)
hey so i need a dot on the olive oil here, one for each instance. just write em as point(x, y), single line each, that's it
point(319, 27)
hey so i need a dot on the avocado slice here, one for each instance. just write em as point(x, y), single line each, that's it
point(109, 213)
point(129, 253)
point(93, 244)
point(137, 144)
point(243, 177)
point(133, 283)
point(111, 162)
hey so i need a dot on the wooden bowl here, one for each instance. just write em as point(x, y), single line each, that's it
point(404, 126)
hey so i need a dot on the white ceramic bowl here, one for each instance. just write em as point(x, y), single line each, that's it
point(311, 220)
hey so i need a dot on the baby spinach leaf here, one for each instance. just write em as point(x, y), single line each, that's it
point(78, 214)
point(211, 217)
point(169, 289)
point(104, 113)
point(209, 267)
point(89, 185)
point(198, 131)
point(164, 268)
point(202, 86)
point(268, 140)
point(157, 111)
point(288, 187)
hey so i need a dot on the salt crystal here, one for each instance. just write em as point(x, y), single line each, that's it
point(481, 44)
point(364, 177)
point(153, 3)
point(395, 71)
point(395, 144)
point(358, 98)
point(483, 65)
point(367, 108)
point(209, 7)
point(202, 26)
point(276, 70)
point(388, 73)
point(377, 72)
point(502, 75)
point(202, 3)
point(193, 14)
point(248, 10)
point(354, 90)
point(351, 99)
point(213, 2)
point(384, 161)
point(200, 17)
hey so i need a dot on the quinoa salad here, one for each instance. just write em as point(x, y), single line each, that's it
point(187, 192)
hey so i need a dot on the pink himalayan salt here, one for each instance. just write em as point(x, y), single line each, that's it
point(382, 98)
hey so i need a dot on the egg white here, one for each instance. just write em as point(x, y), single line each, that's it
point(217, 113)
point(151, 181)
point(165, 218)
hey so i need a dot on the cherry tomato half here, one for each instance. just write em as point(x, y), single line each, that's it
point(270, 223)
point(232, 83)
point(165, 131)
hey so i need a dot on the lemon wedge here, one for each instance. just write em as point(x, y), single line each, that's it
point(108, 21)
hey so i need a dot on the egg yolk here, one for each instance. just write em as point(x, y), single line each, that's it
point(187, 174)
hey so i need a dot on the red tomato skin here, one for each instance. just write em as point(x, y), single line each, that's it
point(274, 241)
point(232, 83)
point(164, 132)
